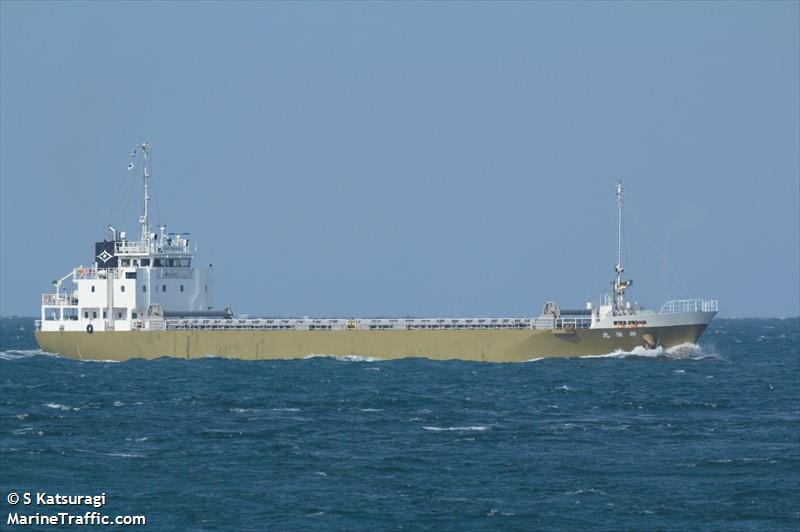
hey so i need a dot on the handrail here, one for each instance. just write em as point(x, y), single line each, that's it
point(689, 305)
point(95, 273)
point(58, 300)
point(154, 247)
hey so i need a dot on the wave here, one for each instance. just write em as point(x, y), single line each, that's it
point(16, 354)
point(477, 428)
point(345, 358)
point(687, 351)
point(57, 406)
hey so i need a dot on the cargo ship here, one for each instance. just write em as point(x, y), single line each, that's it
point(146, 298)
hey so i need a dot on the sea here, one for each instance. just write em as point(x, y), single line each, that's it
point(704, 437)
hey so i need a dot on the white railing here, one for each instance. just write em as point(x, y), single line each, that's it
point(689, 305)
point(547, 322)
point(144, 247)
point(93, 273)
point(574, 323)
point(344, 324)
point(85, 273)
point(132, 248)
point(58, 300)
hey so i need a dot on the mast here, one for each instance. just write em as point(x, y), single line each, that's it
point(144, 219)
point(620, 285)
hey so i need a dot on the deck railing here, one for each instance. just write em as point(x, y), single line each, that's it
point(58, 300)
point(689, 305)
point(144, 247)
point(344, 324)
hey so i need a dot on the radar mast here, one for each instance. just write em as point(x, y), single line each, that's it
point(620, 285)
point(144, 219)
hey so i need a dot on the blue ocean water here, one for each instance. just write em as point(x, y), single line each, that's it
point(702, 438)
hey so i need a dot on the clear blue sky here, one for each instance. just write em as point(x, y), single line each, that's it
point(411, 158)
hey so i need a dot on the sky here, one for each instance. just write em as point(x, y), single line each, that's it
point(428, 159)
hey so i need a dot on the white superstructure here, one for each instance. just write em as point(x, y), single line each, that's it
point(132, 284)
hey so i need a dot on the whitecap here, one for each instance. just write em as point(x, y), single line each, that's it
point(16, 354)
point(57, 406)
point(371, 409)
point(285, 409)
point(345, 358)
point(587, 490)
point(616, 354)
point(534, 359)
point(687, 350)
point(118, 403)
point(478, 428)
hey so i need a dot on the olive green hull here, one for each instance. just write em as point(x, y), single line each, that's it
point(479, 345)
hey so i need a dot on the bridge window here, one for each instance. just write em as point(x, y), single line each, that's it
point(122, 288)
point(181, 288)
point(94, 314)
point(126, 262)
point(130, 275)
point(86, 314)
point(163, 288)
point(145, 262)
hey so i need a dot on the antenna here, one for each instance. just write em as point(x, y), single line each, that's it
point(619, 285)
point(620, 192)
point(144, 219)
